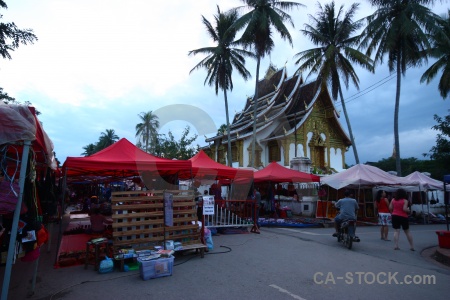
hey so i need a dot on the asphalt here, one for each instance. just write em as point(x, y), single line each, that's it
point(40, 280)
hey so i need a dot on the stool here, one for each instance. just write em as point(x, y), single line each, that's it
point(96, 243)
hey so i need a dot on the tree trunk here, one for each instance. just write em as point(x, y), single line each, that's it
point(255, 109)
point(146, 139)
point(347, 119)
point(229, 156)
point(396, 113)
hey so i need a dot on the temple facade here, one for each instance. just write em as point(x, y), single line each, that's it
point(295, 120)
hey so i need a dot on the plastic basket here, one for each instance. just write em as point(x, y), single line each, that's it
point(156, 268)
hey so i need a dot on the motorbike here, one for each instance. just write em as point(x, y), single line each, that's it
point(346, 233)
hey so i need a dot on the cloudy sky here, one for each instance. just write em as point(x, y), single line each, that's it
point(98, 64)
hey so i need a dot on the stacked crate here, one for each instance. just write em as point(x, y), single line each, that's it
point(139, 219)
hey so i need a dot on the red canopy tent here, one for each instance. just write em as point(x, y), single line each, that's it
point(203, 167)
point(123, 159)
point(276, 173)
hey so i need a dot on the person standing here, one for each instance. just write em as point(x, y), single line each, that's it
point(384, 215)
point(399, 209)
point(257, 205)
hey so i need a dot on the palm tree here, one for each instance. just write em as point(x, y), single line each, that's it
point(147, 130)
point(399, 29)
point(222, 58)
point(106, 139)
point(222, 129)
point(441, 51)
point(333, 57)
point(258, 23)
point(88, 150)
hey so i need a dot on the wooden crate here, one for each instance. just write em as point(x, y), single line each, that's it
point(139, 219)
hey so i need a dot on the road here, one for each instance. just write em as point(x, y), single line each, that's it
point(279, 263)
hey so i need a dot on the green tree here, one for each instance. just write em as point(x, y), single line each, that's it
point(106, 139)
point(441, 151)
point(222, 129)
point(170, 148)
point(398, 29)
point(336, 51)
point(89, 150)
point(221, 60)
point(5, 97)
point(147, 130)
point(440, 50)
point(263, 15)
point(10, 39)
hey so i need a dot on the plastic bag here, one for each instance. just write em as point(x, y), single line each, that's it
point(42, 236)
point(209, 242)
point(106, 265)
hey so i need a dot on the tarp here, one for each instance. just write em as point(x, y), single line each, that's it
point(20, 133)
point(123, 159)
point(364, 176)
point(426, 182)
point(203, 167)
point(19, 123)
point(276, 173)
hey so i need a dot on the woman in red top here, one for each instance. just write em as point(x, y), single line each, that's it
point(400, 210)
point(384, 215)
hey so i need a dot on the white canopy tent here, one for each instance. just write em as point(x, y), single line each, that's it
point(364, 176)
point(425, 184)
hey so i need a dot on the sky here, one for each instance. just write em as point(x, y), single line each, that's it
point(98, 64)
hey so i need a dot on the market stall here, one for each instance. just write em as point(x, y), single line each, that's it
point(26, 154)
point(229, 187)
point(139, 215)
point(361, 178)
point(288, 192)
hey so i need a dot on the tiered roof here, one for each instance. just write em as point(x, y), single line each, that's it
point(279, 96)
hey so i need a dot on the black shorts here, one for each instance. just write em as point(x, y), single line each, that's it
point(398, 221)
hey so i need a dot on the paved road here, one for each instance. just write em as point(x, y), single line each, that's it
point(279, 263)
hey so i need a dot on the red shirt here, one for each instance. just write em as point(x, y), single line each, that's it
point(398, 208)
point(383, 206)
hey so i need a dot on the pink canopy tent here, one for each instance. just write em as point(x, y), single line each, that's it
point(364, 176)
point(426, 183)
point(276, 173)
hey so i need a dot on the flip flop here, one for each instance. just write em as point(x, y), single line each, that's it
point(412, 249)
point(396, 248)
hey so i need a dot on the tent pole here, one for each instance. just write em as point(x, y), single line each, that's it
point(33, 282)
point(61, 217)
point(13, 237)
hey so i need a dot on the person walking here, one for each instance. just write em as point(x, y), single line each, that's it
point(384, 215)
point(399, 209)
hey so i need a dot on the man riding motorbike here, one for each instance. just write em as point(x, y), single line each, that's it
point(348, 209)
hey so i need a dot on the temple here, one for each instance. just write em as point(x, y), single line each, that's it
point(295, 121)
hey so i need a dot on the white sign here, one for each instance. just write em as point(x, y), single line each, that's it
point(208, 205)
